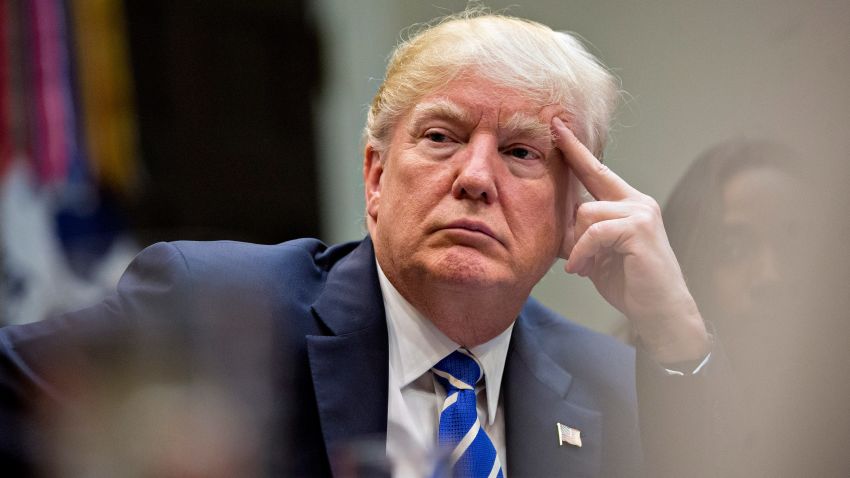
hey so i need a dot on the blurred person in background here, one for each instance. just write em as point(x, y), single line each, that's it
point(755, 233)
point(282, 359)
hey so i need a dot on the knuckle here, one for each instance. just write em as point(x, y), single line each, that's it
point(596, 230)
point(650, 203)
point(654, 206)
point(644, 220)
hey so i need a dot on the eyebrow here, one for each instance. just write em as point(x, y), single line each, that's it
point(525, 126)
point(443, 109)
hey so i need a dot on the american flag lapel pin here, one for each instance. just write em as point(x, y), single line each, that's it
point(568, 435)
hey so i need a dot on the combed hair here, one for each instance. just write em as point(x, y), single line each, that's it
point(547, 66)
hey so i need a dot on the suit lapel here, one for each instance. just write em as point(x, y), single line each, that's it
point(349, 366)
point(536, 398)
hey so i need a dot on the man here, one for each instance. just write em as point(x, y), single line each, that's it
point(477, 146)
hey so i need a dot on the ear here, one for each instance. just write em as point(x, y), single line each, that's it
point(373, 170)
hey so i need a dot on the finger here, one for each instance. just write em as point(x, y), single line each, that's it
point(599, 180)
point(590, 213)
point(585, 270)
point(600, 235)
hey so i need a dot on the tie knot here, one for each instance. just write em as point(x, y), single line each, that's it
point(458, 371)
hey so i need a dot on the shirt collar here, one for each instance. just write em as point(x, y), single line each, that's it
point(416, 344)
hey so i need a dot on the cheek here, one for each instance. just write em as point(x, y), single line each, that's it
point(730, 283)
point(560, 201)
point(539, 212)
point(567, 198)
point(413, 189)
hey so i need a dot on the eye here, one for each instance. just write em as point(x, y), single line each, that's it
point(736, 246)
point(519, 152)
point(436, 137)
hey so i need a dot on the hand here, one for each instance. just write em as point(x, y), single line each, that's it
point(619, 242)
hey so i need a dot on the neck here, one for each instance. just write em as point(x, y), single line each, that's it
point(469, 316)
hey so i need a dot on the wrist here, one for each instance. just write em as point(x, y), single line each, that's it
point(690, 367)
point(680, 339)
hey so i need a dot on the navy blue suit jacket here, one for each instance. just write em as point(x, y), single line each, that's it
point(321, 311)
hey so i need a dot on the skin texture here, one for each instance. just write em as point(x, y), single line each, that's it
point(467, 206)
point(473, 201)
point(621, 245)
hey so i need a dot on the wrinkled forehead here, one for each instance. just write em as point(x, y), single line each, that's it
point(472, 99)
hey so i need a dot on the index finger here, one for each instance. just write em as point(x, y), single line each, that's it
point(599, 180)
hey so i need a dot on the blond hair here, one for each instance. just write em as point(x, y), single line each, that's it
point(547, 66)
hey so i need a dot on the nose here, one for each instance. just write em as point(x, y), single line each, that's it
point(768, 276)
point(476, 177)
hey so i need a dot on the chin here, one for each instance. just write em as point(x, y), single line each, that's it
point(468, 267)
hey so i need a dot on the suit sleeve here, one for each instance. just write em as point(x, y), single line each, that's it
point(686, 420)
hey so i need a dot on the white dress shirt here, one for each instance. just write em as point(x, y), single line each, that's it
point(415, 397)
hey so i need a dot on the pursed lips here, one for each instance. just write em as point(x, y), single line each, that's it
point(473, 226)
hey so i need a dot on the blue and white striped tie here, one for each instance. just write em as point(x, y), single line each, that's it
point(472, 452)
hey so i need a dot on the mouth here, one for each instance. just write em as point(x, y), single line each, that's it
point(473, 227)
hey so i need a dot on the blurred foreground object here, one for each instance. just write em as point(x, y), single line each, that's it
point(755, 232)
point(68, 154)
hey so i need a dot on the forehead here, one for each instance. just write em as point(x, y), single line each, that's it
point(474, 98)
point(760, 185)
point(761, 196)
